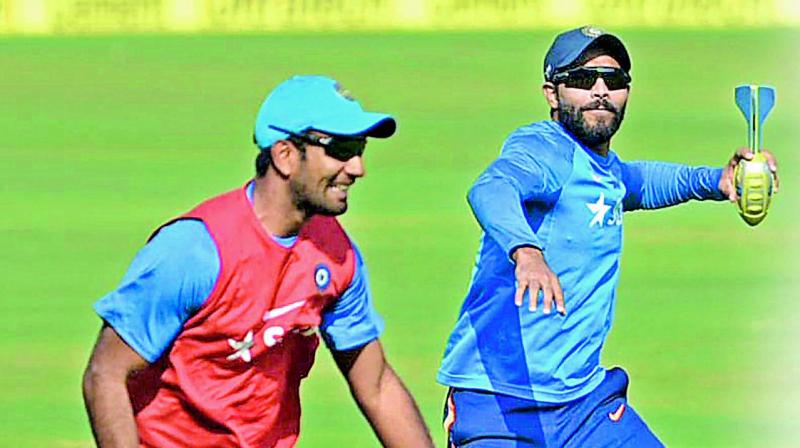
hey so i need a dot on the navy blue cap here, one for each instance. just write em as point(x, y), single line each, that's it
point(303, 103)
point(568, 47)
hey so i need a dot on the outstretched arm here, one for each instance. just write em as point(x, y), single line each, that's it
point(382, 397)
point(653, 185)
point(105, 391)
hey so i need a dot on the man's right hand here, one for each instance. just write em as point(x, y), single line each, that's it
point(533, 275)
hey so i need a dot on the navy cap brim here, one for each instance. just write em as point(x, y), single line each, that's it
point(368, 124)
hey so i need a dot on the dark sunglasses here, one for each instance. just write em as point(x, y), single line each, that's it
point(339, 147)
point(585, 77)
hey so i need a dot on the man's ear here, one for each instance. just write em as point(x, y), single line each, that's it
point(284, 157)
point(550, 92)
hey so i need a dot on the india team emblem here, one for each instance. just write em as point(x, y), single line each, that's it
point(592, 31)
point(322, 277)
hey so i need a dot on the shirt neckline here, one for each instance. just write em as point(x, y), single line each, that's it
point(604, 162)
point(285, 241)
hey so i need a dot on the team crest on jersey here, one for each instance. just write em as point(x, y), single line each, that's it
point(322, 277)
point(592, 31)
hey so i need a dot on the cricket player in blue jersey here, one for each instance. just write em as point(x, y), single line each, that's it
point(551, 210)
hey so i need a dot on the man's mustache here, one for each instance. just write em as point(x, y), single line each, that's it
point(600, 104)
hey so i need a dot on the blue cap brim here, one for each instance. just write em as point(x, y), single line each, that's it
point(367, 124)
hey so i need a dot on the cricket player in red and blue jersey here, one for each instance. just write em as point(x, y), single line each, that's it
point(206, 339)
point(551, 209)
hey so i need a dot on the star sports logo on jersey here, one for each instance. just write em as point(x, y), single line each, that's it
point(600, 209)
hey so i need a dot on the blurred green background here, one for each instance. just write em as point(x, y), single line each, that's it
point(103, 138)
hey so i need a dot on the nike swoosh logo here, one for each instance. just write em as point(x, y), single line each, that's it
point(616, 415)
point(276, 312)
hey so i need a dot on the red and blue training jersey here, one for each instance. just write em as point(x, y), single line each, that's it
point(231, 335)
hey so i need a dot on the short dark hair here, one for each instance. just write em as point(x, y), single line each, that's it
point(264, 157)
point(263, 160)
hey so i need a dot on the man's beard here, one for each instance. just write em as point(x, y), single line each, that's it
point(314, 204)
point(571, 118)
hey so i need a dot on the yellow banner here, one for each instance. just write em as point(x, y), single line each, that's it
point(105, 16)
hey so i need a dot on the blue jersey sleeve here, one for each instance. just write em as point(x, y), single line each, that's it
point(530, 168)
point(166, 283)
point(352, 321)
point(653, 185)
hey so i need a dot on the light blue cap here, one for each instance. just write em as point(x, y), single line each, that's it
point(302, 103)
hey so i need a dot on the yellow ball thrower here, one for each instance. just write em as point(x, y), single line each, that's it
point(753, 178)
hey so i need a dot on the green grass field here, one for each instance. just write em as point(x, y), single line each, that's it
point(104, 138)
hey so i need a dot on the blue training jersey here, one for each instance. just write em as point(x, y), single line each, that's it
point(172, 276)
point(548, 190)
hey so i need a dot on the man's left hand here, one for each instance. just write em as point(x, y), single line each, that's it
point(727, 182)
